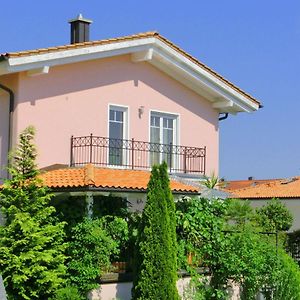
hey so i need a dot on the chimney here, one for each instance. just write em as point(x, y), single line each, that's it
point(80, 31)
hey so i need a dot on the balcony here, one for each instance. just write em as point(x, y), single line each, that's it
point(132, 154)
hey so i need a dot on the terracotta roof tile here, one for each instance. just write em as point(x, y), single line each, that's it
point(127, 38)
point(279, 188)
point(90, 176)
point(239, 184)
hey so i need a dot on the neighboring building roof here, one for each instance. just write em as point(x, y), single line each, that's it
point(24, 58)
point(278, 188)
point(240, 184)
point(105, 179)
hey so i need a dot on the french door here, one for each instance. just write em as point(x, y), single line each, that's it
point(162, 136)
point(117, 134)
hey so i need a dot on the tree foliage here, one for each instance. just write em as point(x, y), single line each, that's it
point(239, 212)
point(211, 182)
point(92, 245)
point(274, 216)
point(32, 240)
point(225, 237)
point(156, 260)
point(68, 293)
point(287, 283)
point(200, 225)
point(249, 260)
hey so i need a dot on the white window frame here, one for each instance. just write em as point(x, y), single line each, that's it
point(176, 127)
point(125, 110)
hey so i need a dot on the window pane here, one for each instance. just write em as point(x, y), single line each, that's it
point(167, 136)
point(111, 115)
point(168, 123)
point(155, 121)
point(165, 123)
point(154, 148)
point(115, 130)
point(119, 116)
point(152, 121)
point(155, 138)
point(115, 146)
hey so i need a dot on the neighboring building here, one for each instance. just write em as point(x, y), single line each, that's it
point(259, 192)
point(241, 184)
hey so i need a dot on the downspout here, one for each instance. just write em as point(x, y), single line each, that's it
point(225, 116)
point(11, 109)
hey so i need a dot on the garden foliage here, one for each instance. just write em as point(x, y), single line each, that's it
point(156, 259)
point(32, 240)
point(274, 216)
point(226, 238)
point(68, 293)
point(93, 244)
point(287, 283)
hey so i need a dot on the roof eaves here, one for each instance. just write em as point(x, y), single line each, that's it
point(112, 189)
point(204, 66)
point(132, 37)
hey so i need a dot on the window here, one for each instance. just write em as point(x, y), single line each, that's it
point(117, 133)
point(163, 135)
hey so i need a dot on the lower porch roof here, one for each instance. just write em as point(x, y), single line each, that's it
point(90, 177)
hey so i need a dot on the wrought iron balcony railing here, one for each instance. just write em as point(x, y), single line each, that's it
point(103, 151)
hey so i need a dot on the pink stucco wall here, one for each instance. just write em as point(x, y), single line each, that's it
point(74, 99)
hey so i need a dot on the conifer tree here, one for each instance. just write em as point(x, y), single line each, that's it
point(165, 183)
point(32, 240)
point(156, 249)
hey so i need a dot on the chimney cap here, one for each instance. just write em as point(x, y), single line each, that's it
point(81, 19)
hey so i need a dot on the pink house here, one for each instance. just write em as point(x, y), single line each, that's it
point(106, 111)
point(125, 102)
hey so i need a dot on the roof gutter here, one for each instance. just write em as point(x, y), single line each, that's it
point(109, 189)
point(224, 117)
point(10, 113)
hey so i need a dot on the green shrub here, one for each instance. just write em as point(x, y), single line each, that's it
point(32, 259)
point(71, 210)
point(110, 206)
point(199, 228)
point(155, 264)
point(231, 250)
point(239, 212)
point(68, 293)
point(92, 245)
point(274, 216)
point(250, 260)
point(287, 283)
point(117, 229)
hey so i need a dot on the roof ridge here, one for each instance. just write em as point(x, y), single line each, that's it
point(77, 45)
point(89, 174)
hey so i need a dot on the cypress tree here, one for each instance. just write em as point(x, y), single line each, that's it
point(155, 259)
point(32, 241)
point(165, 182)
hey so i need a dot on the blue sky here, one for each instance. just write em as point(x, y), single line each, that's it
point(253, 43)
